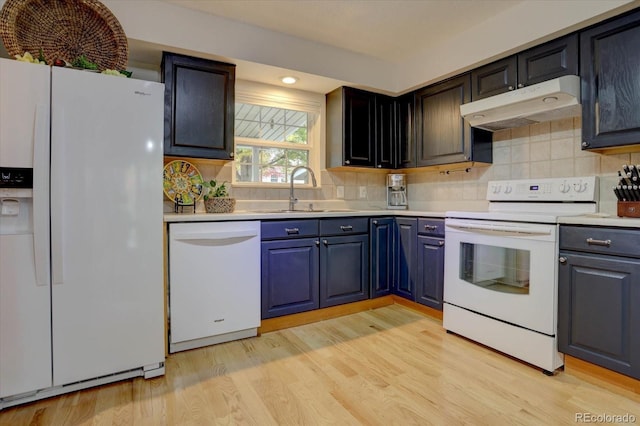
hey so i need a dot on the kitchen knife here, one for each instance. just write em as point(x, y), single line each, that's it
point(618, 193)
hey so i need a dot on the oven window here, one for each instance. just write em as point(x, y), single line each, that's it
point(495, 268)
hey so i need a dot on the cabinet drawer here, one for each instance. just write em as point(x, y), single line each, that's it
point(289, 229)
point(612, 241)
point(344, 226)
point(431, 227)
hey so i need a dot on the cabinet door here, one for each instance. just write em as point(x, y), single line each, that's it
point(406, 257)
point(442, 135)
point(430, 278)
point(359, 127)
point(405, 137)
point(609, 64)
point(290, 271)
point(599, 311)
point(494, 78)
point(199, 107)
point(385, 132)
point(344, 269)
point(550, 60)
point(381, 234)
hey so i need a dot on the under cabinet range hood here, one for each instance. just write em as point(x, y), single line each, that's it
point(549, 100)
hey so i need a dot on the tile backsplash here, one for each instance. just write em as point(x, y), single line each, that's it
point(550, 149)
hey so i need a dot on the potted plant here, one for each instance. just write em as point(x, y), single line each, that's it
point(216, 198)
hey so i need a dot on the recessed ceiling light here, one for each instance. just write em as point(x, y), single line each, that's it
point(289, 80)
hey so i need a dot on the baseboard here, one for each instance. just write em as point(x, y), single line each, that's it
point(294, 320)
point(600, 375)
point(435, 313)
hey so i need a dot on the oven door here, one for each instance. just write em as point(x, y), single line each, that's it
point(504, 270)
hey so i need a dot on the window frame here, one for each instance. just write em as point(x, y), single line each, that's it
point(254, 93)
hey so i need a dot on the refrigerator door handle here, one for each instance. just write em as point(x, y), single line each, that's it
point(41, 194)
point(57, 203)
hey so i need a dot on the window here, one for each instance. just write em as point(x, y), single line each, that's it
point(276, 130)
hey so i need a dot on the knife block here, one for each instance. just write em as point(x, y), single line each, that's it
point(629, 208)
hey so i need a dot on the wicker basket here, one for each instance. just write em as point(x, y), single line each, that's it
point(64, 29)
point(220, 205)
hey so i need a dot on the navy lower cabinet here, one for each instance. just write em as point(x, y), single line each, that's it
point(311, 264)
point(599, 297)
point(406, 257)
point(290, 267)
point(382, 240)
point(344, 260)
point(430, 268)
point(344, 269)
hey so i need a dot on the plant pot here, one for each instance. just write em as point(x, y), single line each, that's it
point(220, 205)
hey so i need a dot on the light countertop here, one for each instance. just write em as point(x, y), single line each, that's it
point(597, 219)
point(263, 215)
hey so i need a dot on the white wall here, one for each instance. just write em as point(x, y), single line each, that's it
point(165, 24)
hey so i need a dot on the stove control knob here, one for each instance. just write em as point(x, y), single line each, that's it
point(496, 189)
point(580, 186)
point(508, 189)
point(565, 187)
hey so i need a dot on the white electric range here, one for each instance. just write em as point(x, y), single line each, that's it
point(500, 281)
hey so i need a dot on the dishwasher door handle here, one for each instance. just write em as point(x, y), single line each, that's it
point(214, 238)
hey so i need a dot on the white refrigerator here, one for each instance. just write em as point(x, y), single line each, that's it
point(81, 250)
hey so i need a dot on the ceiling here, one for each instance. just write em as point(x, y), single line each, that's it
point(391, 30)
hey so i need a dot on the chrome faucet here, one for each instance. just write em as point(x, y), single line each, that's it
point(292, 199)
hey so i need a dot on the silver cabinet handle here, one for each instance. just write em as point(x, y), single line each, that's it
point(346, 227)
point(317, 242)
point(440, 243)
point(562, 260)
point(592, 242)
point(430, 227)
point(290, 231)
point(347, 162)
point(510, 87)
point(585, 144)
point(325, 242)
point(375, 222)
point(520, 85)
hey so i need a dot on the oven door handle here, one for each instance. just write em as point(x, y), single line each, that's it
point(501, 229)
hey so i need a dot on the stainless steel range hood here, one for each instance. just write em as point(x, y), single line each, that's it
point(549, 100)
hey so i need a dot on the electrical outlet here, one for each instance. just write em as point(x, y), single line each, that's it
point(339, 191)
point(363, 192)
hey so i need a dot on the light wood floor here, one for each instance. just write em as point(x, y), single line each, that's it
point(388, 366)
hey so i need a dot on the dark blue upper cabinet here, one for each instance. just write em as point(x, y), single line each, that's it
point(497, 77)
point(351, 127)
point(549, 60)
point(405, 155)
point(609, 64)
point(385, 146)
point(442, 135)
point(382, 240)
point(199, 107)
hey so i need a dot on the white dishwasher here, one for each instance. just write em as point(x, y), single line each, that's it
point(214, 283)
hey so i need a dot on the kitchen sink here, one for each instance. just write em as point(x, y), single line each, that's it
point(304, 211)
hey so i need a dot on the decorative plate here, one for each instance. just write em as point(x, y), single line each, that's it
point(182, 182)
